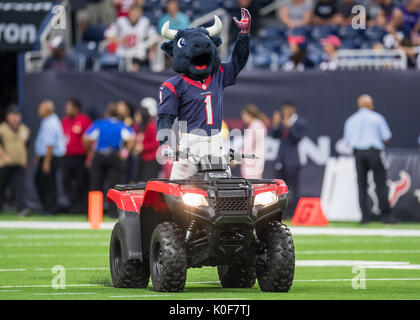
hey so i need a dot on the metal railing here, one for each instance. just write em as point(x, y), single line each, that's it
point(360, 59)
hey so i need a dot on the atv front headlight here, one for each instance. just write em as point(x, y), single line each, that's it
point(194, 199)
point(265, 198)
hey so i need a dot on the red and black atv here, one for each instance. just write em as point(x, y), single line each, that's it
point(212, 219)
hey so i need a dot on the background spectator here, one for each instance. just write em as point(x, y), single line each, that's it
point(289, 128)
point(397, 31)
point(123, 6)
point(410, 12)
point(325, 12)
point(112, 142)
point(330, 45)
point(129, 37)
point(14, 137)
point(254, 137)
point(149, 168)
point(344, 12)
point(296, 13)
point(49, 148)
point(58, 60)
point(177, 20)
point(75, 175)
point(366, 132)
point(298, 60)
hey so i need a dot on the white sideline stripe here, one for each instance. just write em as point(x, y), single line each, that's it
point(43, 244)
point(367, 279)
point(142, 296)
point(64, 225)
point(218, 299)
point(49, 286)
point(355, 232)
point(75, 269)
point(61, 293)
point(52, 225)
point(48, 255)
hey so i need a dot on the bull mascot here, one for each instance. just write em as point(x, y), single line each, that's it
point(195, 94)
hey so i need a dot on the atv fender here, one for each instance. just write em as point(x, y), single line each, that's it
point(128, 205)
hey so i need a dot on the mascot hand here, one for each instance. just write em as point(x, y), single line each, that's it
point(245, 23)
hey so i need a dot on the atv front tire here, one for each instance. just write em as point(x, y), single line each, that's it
point(237, 276)
point(276, 268)
point(168, 258)
point(126, 273)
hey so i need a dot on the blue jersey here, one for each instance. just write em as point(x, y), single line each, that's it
point(109, 134)
point(200, 104)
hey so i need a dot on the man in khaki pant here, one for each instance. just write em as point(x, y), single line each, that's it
point(14, 138)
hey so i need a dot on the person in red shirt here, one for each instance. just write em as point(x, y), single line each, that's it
point(148, 145)
point(75, 175)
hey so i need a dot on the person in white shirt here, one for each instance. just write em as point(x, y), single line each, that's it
point(131, 37)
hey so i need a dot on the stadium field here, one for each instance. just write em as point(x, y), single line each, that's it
point(385, 256)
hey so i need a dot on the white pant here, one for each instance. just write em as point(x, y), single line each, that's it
point(198, 146)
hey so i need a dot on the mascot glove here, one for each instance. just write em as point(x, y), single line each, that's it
point(245, 23)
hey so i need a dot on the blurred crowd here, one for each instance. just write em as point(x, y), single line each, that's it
point(300, 34)
point(92, 155)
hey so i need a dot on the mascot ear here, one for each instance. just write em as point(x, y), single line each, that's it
point(168, 47)
point(217, 41)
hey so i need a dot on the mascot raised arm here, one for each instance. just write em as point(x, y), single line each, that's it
point(195, 95)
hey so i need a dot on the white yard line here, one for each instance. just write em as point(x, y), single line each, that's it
point(6, 270)
point(355, 251)
point(367, 279)
point(355, 232)
point(142, 296)
point(11, 290)
point(48, 255)
point(61, 293)
point(63, 225)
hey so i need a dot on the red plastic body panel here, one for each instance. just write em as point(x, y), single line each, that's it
point(133, 200)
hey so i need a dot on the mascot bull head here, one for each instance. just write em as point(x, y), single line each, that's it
point(194, 50)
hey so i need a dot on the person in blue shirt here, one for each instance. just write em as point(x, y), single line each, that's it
point(177, 20)
point(110, 141)
point(49, 147)
point(366, 132)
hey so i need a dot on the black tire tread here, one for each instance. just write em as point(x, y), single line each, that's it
point(174, 267)
point(276, 274)
point(133, 273)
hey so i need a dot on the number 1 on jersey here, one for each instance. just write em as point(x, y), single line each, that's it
point(209, 110)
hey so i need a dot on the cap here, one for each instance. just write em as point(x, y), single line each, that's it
point(12, 109)
point(333, 40)
point(150, 104)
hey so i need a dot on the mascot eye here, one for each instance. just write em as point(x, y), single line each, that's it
point(181, 42)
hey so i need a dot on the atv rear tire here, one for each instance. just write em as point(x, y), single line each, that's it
point(237, 276)
point(275, 269)
point(126, 273)
point(168, 258)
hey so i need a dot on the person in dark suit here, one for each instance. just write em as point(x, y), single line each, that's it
point(289, 128)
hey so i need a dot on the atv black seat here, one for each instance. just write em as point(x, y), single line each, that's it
point(127, 187)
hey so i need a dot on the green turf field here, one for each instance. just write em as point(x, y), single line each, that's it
point(324, 267)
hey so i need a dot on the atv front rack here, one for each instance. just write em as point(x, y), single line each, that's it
point(231, 180)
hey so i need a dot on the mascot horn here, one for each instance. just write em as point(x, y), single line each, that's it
point(195, 95)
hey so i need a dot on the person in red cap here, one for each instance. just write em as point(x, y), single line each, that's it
point(330, 44)
point(298, 60)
